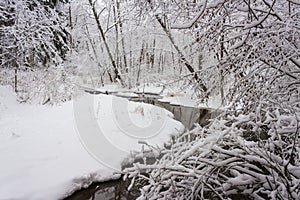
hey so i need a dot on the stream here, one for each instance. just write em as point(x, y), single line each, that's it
point(117, 189)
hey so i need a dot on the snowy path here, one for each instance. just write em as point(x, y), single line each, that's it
point(42, 155)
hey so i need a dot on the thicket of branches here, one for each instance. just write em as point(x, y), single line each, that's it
point(252, 150)
point(254, 156)
point(113, 40)
point(33, 33)
point(35, 40)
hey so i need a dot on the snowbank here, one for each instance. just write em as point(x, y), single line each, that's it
point(42, 152)
point(186, 100)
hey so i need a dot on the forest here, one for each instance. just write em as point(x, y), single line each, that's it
point(60, 59)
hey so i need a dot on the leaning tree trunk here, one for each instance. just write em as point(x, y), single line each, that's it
point(181, 55)
point(116, 71)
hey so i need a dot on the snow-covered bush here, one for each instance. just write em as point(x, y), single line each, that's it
point(252, 150)
point(32, 33)
point(34, 38)
point(43, 86)
point(253, 156)
point(54, 86)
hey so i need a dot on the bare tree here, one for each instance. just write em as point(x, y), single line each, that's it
point(102, 34)
point(181, 55)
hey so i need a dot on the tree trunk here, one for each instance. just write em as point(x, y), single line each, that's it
point(117, 34)
point(122, 35)
point(181, 55)
point(71, 26)
point(222, 50)
point(16, 79)
point(140, 63)
point(116, 71)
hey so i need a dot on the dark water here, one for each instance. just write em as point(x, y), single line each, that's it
point(110, 190)
point(117, 189)
point(188, 116)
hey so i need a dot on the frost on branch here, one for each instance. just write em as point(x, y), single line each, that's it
point(34, 38)
point(253, 156)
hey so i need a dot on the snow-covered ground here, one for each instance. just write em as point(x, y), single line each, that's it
point(187, 98)
point(47, 152)
point(174, 96)
point(188, 101)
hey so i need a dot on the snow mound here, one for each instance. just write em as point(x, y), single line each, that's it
point(42, 152)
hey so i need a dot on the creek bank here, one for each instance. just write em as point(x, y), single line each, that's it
point(117, 189)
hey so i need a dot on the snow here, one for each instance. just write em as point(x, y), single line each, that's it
point(187, 101)
point(154, 89)
point(180, 100)
point(174, 96)
point(44, 152)
point(149, 89)
point(126, 94)
point(108, 88)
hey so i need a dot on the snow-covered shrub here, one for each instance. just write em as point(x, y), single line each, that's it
point(34, 38)
point(32, 33)
point(253, 156)
point(54, 87)
point(252, 151)
point(43, 86)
